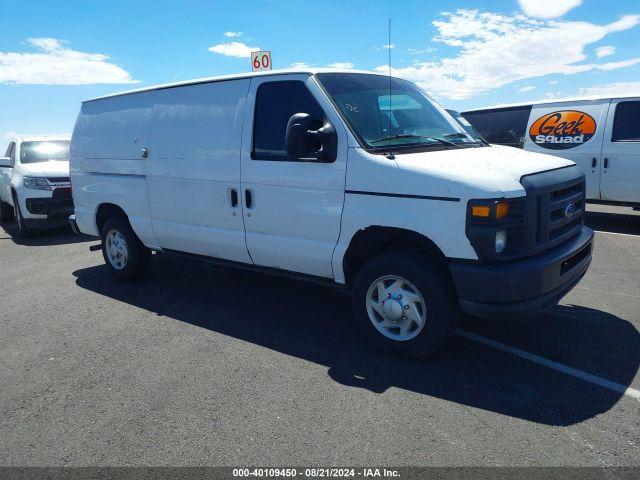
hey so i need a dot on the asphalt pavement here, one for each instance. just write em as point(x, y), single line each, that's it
point(207, 366)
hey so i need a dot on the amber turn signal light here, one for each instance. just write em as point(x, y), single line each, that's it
point(480, 211)
point(502, 210)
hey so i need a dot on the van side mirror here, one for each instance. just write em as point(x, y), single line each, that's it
point(5, 162)
point(306, 143)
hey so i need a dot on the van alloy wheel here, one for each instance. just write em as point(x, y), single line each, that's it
point(117, 249)
point(396, 308)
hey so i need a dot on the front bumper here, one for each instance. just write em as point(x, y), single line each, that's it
point(525, 288)
point(53, 210)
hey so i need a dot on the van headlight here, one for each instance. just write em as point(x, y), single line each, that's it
point(501, 240)
point(496, 228)
point(36, 183)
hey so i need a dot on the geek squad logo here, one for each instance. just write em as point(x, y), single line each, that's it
point(562, 130)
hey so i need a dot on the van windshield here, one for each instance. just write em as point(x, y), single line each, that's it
point(34, 152)
point(464, 123)
point(388, 112)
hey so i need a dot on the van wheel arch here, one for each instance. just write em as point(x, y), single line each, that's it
point(375, 239)
point(106, 211)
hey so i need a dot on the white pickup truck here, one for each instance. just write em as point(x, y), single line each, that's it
point(34, 182)
point(349, 178)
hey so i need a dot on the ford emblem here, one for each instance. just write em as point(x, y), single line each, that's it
point(569, 210)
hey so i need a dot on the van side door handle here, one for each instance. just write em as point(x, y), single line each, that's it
point(606, 163)
point(233, 193)
point(594, 162)
point(248, 198)
point(144, 152)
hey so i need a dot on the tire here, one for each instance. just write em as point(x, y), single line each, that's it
point(423, 312)
point(123, 252)
point(23, 230)
point(6, 212)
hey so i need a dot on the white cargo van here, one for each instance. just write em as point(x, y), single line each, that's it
point(330, 176)
point(34, 182)
point(602, 135)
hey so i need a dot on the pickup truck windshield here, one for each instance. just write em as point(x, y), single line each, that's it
point(34, 152)
point(406, 118)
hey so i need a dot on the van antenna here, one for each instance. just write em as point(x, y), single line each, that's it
point(390, 155)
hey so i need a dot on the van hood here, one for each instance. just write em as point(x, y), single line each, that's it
point(52, 168)
point(494, 169)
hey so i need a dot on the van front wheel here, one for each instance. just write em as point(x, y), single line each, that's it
point(404, 304)
point(123, 252)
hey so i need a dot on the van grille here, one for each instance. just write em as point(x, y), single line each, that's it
point(560, 214)
point(558, 201)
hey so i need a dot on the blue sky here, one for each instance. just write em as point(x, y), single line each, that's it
point(56, 53)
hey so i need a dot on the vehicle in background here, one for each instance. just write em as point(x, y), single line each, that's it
point(600, 134)
point(251, 171)
point(34, 182)
point(473, 133)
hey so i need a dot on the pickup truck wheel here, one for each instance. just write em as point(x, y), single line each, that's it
point(6, 212)
point(123, 252)
point(23, 230)
point(404, 304)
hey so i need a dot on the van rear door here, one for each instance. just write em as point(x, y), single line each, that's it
point(620, 180)
point(193, 169)
point(573, 131)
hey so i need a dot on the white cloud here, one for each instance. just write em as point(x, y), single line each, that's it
point(496, 50)
point(553, 82)
point(341, 65)
point(299, 65)
point(232, 34)
point(548, 8)
point(234, 49)
point(619, 88)
point(527, 88)
point(387, 47)
point(419, 51)
point(605, 51)
point(54, 63)
point(554, 95)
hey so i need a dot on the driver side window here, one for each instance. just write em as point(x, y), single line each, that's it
point(276, 102)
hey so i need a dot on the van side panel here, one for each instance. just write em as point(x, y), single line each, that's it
point(106, 161)
point(552, 123)
point(193, 166)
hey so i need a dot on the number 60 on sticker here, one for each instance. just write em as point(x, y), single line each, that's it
point(261, 60)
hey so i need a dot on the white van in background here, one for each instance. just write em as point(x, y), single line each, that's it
point(600, 134)
point(34, 182)
point(347, 178)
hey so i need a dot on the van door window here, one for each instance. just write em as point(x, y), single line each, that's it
point(626, 123)
point(505, 126)
point(276, 102)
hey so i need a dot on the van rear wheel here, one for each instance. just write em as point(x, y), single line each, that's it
point(123, 252)
point(404, 304)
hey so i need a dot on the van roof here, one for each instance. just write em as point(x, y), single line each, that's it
point(556, 100)
point(309, 71)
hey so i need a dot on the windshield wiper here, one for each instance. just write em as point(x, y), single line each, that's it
point(478, 138)
point(411, 135)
